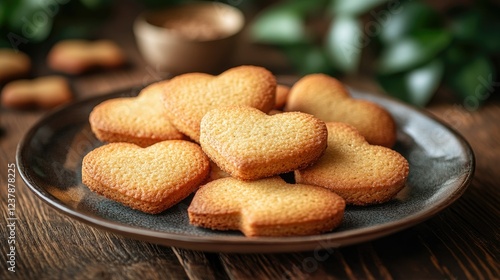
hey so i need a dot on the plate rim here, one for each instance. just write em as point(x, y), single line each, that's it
point(241, 244)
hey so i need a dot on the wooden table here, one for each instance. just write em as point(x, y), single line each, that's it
point(461, 242)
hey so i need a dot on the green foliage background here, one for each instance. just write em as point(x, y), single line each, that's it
point(409, 47)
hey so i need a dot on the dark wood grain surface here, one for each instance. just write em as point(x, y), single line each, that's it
point(461, 242)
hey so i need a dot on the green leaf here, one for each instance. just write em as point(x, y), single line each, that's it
point(473, 80)
point(466, 25)
point(3, 13)
point(404, 19)
point(454, 56)
point(278, 27)
point(416, 86)
point(7, 10)
point(413, 51)
point(354, 7)
point(308, 59)
point(31, 21)
point(284, 23)
point(344, 43)
point(478, 29)
point(96, 4)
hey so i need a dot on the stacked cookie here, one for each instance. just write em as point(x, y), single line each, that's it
point(223, 138)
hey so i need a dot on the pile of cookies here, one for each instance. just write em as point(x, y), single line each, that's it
point(230, 138)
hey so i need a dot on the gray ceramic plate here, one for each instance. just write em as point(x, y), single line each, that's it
point(49, 160)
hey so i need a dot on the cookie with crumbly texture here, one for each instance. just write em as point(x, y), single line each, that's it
point(150, 179)
point(328, 99)
point(140, 120)
point(249, 144)
point(361, 173)
point(189, 97)
point(266, 207)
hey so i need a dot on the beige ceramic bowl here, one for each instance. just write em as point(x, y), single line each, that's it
point(196, 37)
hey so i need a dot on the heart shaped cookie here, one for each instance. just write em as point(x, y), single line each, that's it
point(189, 97)
point(267, 207)
point(328, 99)
point(148, 179)
point(140, 120)
point(359, 172)
point(249, 144)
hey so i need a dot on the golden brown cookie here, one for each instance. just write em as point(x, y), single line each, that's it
point(282, 92)
point(267, 207)
point(13, 64)
point(140, 120)
point(328, 99)
point(249, 144)
point(189, 97)
point(148, 179)
point(43, 92)
point(361, 173)
point(78, 56)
